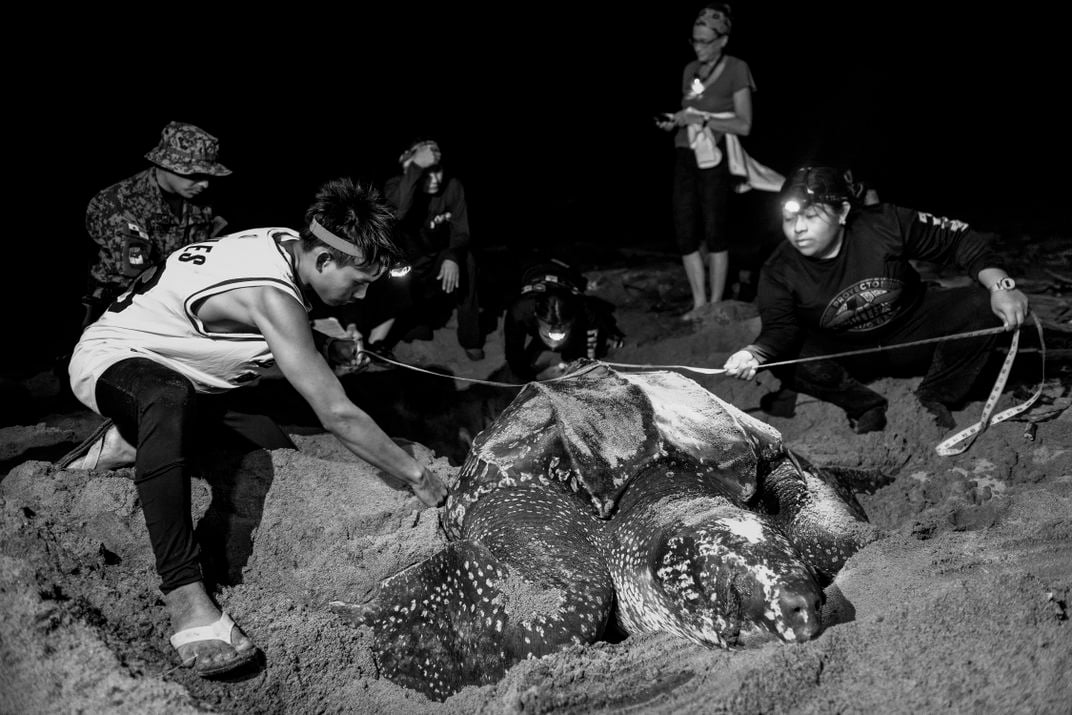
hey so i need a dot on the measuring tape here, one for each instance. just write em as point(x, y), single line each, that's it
point(414, 368)
point(830, 356)
point(956, 444)
point(960, 442)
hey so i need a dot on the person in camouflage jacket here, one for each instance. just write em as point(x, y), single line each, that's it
point(137, 222)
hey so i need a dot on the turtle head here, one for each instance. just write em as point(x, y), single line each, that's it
point(776, 598)
point(727, 577)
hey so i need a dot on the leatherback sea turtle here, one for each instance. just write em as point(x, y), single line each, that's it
point(635, 494)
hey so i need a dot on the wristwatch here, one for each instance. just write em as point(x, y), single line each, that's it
point(1005, 283)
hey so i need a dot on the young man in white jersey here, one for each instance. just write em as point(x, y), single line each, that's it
point(215, 316)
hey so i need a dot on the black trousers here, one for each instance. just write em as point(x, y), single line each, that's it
point(157, 410)
point(950, 368)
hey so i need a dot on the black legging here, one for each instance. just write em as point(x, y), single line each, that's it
point(157, 410)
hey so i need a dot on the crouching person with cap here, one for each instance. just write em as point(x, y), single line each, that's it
point(137, 222)
point(552, 322)
point(218, 315)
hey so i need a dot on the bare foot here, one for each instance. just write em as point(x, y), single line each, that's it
point(695, 313)
point(190, 607)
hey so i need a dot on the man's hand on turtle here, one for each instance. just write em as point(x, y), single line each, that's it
point(430, 489)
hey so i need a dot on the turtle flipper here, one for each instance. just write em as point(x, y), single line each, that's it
point(438, 625)
point(820, 517)
point(466, 614)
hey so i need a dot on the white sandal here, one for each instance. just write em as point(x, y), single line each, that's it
point(218, 631)
point(105, 448)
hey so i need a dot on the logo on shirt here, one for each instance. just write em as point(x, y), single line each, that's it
point(949, 224)
point(863, 306)
point(439, 219)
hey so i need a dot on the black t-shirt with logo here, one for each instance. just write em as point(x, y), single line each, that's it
point(859, 294)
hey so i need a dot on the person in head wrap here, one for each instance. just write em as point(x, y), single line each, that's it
point(433, 230)
point(713, 83)
point(843, 281)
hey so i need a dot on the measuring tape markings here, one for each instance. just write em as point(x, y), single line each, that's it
point(960, 442)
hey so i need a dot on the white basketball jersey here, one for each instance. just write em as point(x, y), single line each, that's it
point(156, 317)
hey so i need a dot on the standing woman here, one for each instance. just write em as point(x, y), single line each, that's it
point(714, 83)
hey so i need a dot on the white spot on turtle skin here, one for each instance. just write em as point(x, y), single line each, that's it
point(746, 529)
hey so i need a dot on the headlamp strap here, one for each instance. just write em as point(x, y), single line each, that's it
point(540, 284)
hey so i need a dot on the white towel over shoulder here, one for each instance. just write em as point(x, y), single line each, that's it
point(755, 175)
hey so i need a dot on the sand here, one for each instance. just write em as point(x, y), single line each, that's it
point(962, 606)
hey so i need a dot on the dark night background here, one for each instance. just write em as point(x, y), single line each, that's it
point(543, 110)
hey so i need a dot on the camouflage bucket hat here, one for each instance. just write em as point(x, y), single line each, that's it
point(187, 149)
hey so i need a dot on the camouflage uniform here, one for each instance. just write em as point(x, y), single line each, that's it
point(134, 226)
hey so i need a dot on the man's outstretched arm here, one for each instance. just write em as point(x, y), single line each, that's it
point(285, 326)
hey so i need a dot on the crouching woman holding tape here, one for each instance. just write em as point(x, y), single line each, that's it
point(843, 281)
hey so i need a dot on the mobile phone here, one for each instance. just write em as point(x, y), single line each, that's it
point(664, 117)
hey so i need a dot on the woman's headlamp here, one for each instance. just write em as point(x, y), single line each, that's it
point(798, 202)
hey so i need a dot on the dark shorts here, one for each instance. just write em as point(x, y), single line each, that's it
point(701, 203)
